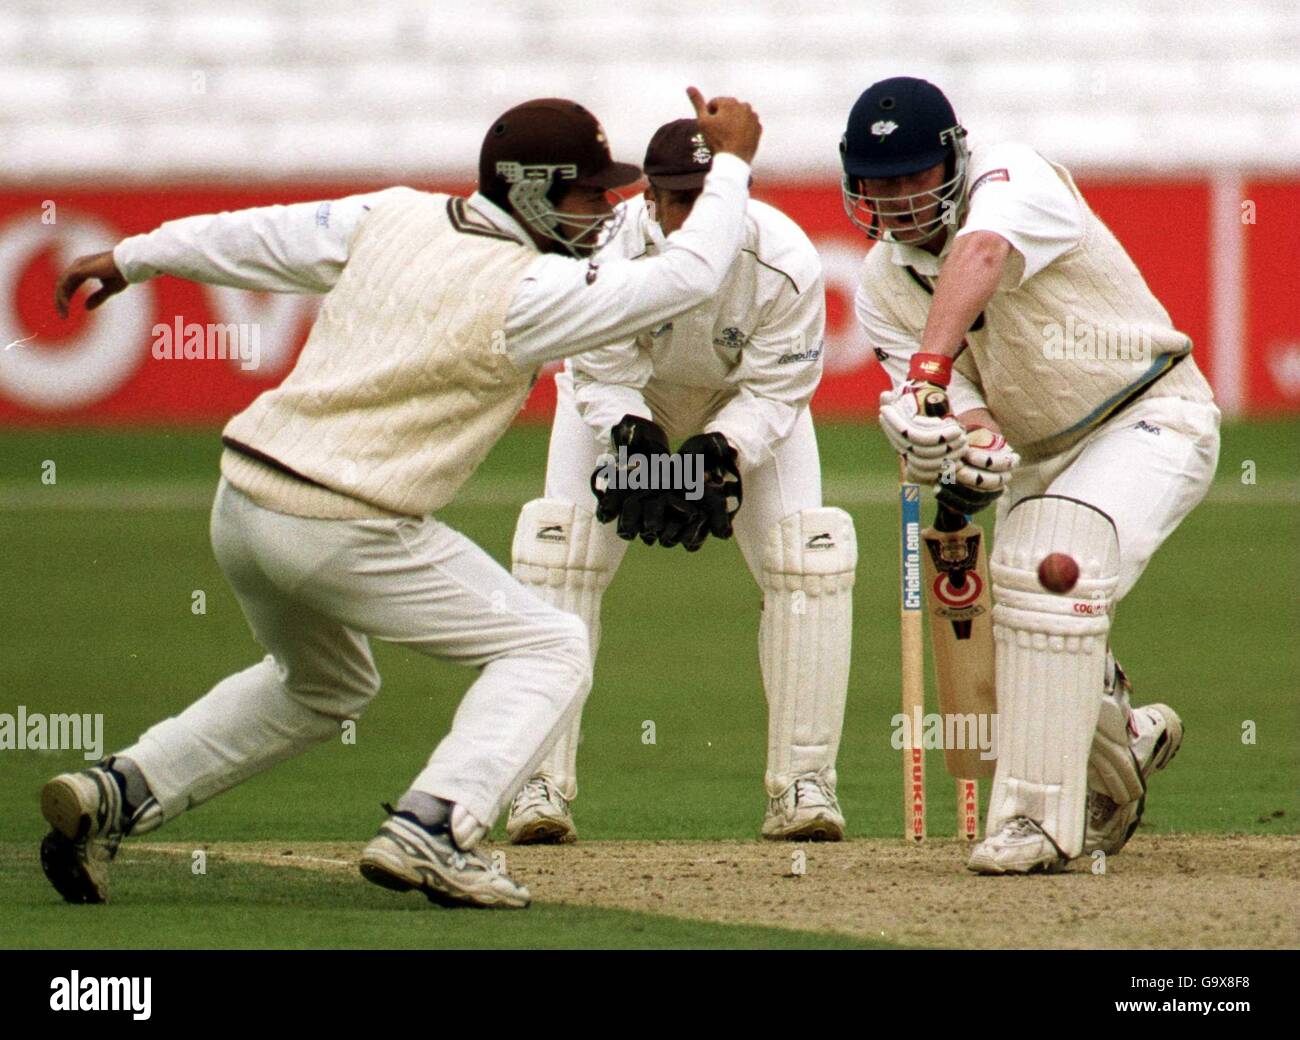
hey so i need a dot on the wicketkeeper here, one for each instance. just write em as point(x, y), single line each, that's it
point(727, 382)
point(439, 310)
point(1029, 357)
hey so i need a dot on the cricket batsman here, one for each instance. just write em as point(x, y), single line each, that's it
point(438, 312)
point(1032, 366)
point(729, 381)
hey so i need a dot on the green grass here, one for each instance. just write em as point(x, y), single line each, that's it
point(95, 616)
point(158, 904)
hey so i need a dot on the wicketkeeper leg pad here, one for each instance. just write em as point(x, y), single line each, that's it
point(804, 638)
point(1050, 663)
point(568, 559)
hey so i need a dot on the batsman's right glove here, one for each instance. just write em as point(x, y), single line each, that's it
point(981, 473)
point(635, 441)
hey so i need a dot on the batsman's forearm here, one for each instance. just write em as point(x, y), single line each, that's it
point(979, 417)
point(971, 274)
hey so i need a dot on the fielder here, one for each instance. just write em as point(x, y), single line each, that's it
point(438, 312)
point(1028, 356)
point(733, 377)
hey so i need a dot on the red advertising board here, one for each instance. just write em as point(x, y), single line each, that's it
point(100, 368)
point(1271, 226)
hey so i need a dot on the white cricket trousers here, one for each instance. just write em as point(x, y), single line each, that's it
point(1146, 469)
point(313, 591)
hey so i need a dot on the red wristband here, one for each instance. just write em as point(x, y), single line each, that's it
point(930, 368)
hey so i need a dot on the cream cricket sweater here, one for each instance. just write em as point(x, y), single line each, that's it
point(1058, 355)
point(404, 384)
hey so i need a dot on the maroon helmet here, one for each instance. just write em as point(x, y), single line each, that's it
point(537, 150)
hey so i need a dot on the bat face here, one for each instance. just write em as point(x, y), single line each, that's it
point(956, 590)
point(959, 605)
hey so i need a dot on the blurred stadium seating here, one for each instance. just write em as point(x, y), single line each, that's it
point(1174, 113)
point(280, 88)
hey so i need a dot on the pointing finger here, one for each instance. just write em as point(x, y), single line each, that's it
point(697, 99)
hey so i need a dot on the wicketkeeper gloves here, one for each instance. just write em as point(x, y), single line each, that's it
point(723, 491)
point(665, 516)
point(635, 441)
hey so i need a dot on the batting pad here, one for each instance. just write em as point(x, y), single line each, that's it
point(804, 638)
point(559, 553)
point(1050, 663)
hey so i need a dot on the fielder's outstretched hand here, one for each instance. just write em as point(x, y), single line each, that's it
point(98, 266)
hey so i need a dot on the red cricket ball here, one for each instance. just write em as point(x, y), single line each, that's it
point(1058, 572)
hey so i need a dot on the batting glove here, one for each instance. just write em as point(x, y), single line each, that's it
point(918, 420)
point(981, 473)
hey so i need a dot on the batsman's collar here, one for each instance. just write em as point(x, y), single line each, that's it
point(918, 259)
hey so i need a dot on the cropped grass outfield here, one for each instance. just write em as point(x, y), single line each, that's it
point(95, 616)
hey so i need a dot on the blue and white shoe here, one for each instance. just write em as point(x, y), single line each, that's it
point(404, 856)
point(86, 812)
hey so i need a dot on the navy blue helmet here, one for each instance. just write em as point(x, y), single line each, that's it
point(899, 127)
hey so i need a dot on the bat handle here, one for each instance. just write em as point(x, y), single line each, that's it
point(948, 520)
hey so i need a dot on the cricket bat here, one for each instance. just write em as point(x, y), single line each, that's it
point(961, 639)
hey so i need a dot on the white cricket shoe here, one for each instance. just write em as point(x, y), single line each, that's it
point(1160, 735)
point(540, 815)
point(85, 810)
point(405, 856)
point(807, 810)
point(1021, 846)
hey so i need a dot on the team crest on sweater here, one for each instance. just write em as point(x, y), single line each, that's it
point(731, 338)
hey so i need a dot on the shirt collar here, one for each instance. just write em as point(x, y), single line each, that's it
point(913, 256)
point(503, 221)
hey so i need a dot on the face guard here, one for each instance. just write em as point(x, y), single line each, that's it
point(528, 194)
point(865, 211)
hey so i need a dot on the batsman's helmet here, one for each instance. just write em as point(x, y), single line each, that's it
point(536, 151)
point(897, 127)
